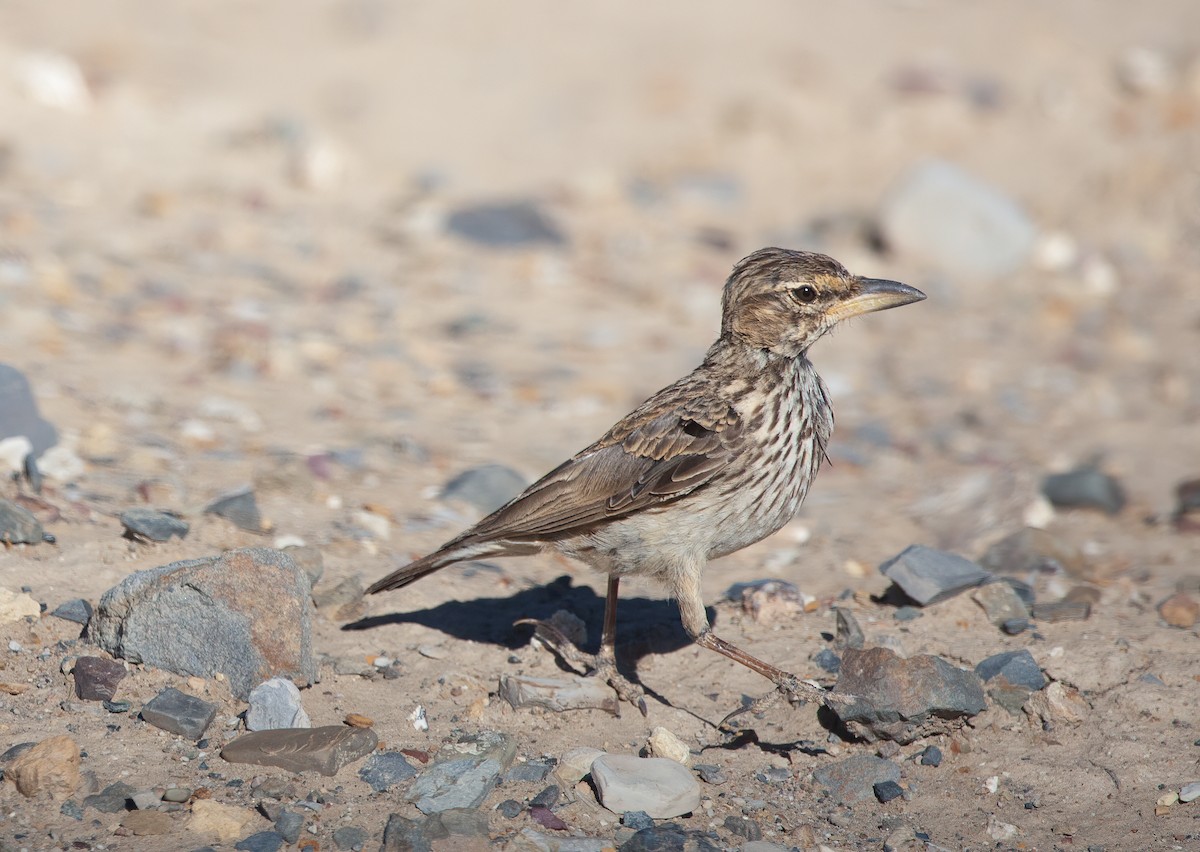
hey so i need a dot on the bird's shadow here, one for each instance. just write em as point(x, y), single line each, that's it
point(644, 626)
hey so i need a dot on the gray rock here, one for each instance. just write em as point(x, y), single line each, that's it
point(907, 613)
point(510, 808)
point(245, 613)
point(289, 825)
point(275, 703)
point(931, 756)
point(532, 770)
point(853, 780)
point(928, 576)
point(1086, 487)
point(1189, 792)
point(77, 610)
point(19, 413)
point(885, 791)
point(461, 783)
point(1063, 610)
point(827, 660)
point(113, 799)
point(881, 696)
point(385, 770)
point(96, 678)
point(505, 224)
point(456, 828)
point(1000, 603)
point(240, 508)
point(179, 713)
point(152, 525)
point(637, 820)
point(1018, 667)
point(13, 752)
point(487, 487)
point(177, 795)
point(350, 838)
point(660, 787)
point(498, 746)
point(325, 749)
point(558, 693)
point(262, 841)
point(404, 835)
point(743, 827)
point(70, 808)
point(710, 773)
point(670, 838)
point(18, 525)
point(940, 214)
point(849, 634)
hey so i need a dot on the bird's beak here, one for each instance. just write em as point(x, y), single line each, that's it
point(874, 294)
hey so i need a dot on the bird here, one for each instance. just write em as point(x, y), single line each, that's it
point(710, 464)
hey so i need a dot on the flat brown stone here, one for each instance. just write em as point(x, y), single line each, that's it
point(326, 749)
point(144, 823)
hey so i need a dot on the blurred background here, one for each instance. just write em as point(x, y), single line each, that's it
point(410, 238)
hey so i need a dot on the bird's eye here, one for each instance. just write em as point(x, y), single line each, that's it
point(805, 293)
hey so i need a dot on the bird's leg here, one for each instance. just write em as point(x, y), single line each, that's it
point(695, 622)
point(603, 664)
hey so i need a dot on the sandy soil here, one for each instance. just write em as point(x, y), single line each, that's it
point(226, 253)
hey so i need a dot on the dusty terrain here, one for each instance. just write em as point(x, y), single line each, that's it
point(225, 254)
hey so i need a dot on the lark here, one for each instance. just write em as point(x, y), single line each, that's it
point(714, 462)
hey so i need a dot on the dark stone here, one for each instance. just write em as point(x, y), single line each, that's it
point(113, 799)
point(117, 706)
point(70, 808)
point(743, 827)
point(289, 824)
point(179, 713)
point(907, 613)
point(1086, 487)
point(461, 783)
point(263, 841)
point(245, 613)
point(548, 798)
point(881, 696)
point(350, 838)
point(152, 525)
point(853, 780)
point(487, 487)
point(77, 610)
point(18, 525)
point(710, 773)
point(1018, 667)
point(885, 791)
point(325, 749)
point(670, 838)
point(1015, 626)
point(530, 771)
point(505, 224)
point(19, 412)
point(385, 770)
point(15, 751)
point(404, 835)
point(828, 660)
point(931, 756)
point(927, 576)
point(97, 678)
point(510, 808)
point(849, 634)
point(637, 820)
point(240, 508)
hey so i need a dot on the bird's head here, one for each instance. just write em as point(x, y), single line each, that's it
point(783, 301)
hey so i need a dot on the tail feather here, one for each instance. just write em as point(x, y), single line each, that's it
point(448, 555)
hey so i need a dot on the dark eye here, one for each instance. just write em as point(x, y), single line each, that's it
point(805, 293)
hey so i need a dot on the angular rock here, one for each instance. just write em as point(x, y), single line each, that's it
point(662, 788)
point(179, 713)
point(885, 791)
point(19, 415)
point(663, 743)
point(240, 508)
point(940, 214)
point(152, 525)
point(49, 768)
point(461, 783)
point(1032, 551)
point(289, 825)
point(931, 756)
point(385, 770)
point(97, 678)
point(261, 841)
point(77, 610)
point(1057, 703)
point(1189, 792)
point(849, 633)
point(1180, 610)
point(558, 693)
point(274, 704)
point(1017, 667)
point(147, 823)
point(768, 601)
point(113, 799)
point(18, 525)
point(325, 749)
point(487, 487)
point(1086, 487)
point(710, 773)
point(15, 606)
point(1000, 603)
point(853, 780)
point(349, 838)
point(530, 771)
point(881, 696)
point(575, 764)
point(402, 834)
point(670, 838)
point(505, 224)
point(245, 613)
point(223, 822)
point(928, 576)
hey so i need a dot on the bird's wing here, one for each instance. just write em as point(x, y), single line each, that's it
point(646, 459)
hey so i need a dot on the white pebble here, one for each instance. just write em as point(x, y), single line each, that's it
point(53, 80)
point(61, 464)
point(418, 718)
point(1190, 792)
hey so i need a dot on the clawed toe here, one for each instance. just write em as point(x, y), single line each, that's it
point(591, 665)
point(796, 691)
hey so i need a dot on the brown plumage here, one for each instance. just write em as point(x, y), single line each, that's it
point(708, 465)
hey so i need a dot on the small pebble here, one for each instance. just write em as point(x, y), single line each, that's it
point(907, 613)
point(637, 820)
point(1190, 792)
point(510, 808)
point(885, 791)
point(828, 660)
point(711, 773)
point(931, 756)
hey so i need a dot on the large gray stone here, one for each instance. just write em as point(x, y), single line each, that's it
point(461, 783)
point(940, 214)
point(882, 696)
point(853, 780)
point(245, 613)
point(928, 576)
point(660, 787)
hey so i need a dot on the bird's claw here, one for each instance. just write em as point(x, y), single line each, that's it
point(589, 665)
point(795, 690)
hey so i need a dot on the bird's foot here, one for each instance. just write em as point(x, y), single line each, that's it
point(788, 686)
point(600, 665)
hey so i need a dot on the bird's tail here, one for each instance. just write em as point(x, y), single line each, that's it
point(455, 551)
